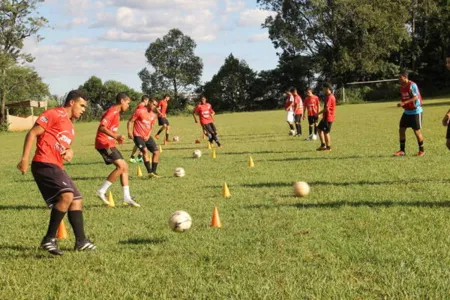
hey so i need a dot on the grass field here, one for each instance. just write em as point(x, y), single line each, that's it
point(374, 226)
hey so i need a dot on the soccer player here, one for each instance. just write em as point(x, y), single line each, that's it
point(140, 128)
point(298, 111)
point(206, 115)
point(54, 131)
point(162, 117)
point(328, 117)
point(411, 102)
point(312, 105)
point(289, 107)
point(144, 102)
point(105, 143)
point(446, 120)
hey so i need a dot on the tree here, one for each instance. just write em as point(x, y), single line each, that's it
point(18, 20)
point(95, 91)
point(347, 39)
point(174, 64)
point(23, 83)
point(230, 88)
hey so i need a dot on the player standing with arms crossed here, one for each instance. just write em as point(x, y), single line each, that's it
point(328, 116)
point(105, 143)
point(55, 132)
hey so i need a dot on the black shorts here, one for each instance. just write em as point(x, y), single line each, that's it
point(210, 128)
point(149, 144)
point(411, 121)
point(163, 121)
point(325, 126)
point(312, 119)
point(110, 155)
point(53, 181)
point(448, 132)
point(298, 118)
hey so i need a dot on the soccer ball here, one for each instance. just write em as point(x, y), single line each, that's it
point(291, 132)
point(180, 221)
point(176, 138)
point(314, 137)
point(301, 189)
point(197, 153)
point(179, 172)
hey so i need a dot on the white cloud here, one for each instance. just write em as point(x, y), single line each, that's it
point(254, 17)
point(165, 4)
point(234, 6)
point(76, 7)
point(75, 41)
point(258, 37)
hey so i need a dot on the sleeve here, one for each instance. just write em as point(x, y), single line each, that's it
point(106, 119)
point(414, 90)
point(197, 109)
point(46, 119)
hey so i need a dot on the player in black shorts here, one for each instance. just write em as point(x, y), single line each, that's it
point(446, 120)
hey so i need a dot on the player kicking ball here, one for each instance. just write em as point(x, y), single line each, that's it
point(140, 128)
point(54, 131)
point(105, 143)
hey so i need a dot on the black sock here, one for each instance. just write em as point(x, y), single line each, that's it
point(139, 156)
point(322, 145)
point(147, 166)
point(402, 145)
point(291, 126)
point(310, 130)
point(76, 220)
point(167, 136)
point(56, 217)
point(421, 148)
point(329, 147)
point(154, 167)
point(315, 129)
point(132, 156)
point(298, 128)
point(159, 131)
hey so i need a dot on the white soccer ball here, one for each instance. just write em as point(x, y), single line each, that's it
point(314, 137)
point(179, 172)
point(176, 138)
point(301, 189)
point(197, 153)
point(180, 221)
point(291, 132)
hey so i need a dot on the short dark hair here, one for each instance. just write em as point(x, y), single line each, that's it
point(166, 95)
point(404, 74)
point(120, 96)
point(309, 89)
point(145, 97)
point(327, 86)
point(293, 90)
point(74, 95)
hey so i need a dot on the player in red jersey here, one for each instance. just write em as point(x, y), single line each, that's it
point(162, 117)
point(289, 108)
point(55, 132)
point(206, 115)
point(144, 103)
point(446, 120)
point(328, 117)
point(105, 143)
point(140, 128)
point(298, 111)
point(312, 105)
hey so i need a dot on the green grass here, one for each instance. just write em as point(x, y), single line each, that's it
point(374, 226)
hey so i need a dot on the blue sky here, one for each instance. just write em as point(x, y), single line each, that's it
point(108, 38)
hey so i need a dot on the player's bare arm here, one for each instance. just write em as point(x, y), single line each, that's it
point(195, 117)
point(446, 118)
point(67, 155)
point(401, 104)
point(34, 132)
point(130, 126)
point(115, 136)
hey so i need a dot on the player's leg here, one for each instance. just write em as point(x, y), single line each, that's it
point(290, 119)
point(153, 148)
point(448, 137)
point(310, 126)
point(132, 156)
point(404, 124)
point(297, 119)
point(417, 127)
point(75, 215)
point(140, 144)
point(211, 128)
point(321, 129)
point(162, 124)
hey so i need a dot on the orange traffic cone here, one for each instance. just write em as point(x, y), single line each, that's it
point(62, 232)
point(215, 220)
point(225, 191)
point(139, 172)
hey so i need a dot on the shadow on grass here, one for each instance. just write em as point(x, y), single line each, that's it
point(23, 252)
point(141, 241)
point(259, 152)
point(446, 103)
point(86, 163)
point(327, 158)
point(338, 204)
point(22, 207)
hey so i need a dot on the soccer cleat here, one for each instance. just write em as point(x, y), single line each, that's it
point(51, 245)
point(85, 245)
point(421, 153)
point(140, 159)
point(102, 196)
point(153, 175)
point(327, 149)
point(321, 148)
point(400, 153)
point(131, 202)
point(309, 138)
point(298, 135)
point(133, 160)
point(157, 136)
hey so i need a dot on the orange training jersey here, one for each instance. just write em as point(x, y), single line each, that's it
point(205, 112)
point(162, 106)
point(330, 104)
point(312, 105)
point(298, 105)
point(142, 122)
point(57, 137)
point(110, 120)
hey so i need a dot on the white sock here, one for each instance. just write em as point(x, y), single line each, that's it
point(105, 187)
point(126, 192)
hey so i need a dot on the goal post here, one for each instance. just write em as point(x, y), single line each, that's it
point(356, 83)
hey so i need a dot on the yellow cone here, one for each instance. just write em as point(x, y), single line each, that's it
point(213, 153)
point(111, 200)
point(225, 191)
point(251, 164)
point(139, 172)
point(209, 146)
point(160, 149)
